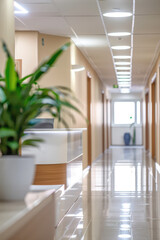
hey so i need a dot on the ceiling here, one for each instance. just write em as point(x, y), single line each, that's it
point(83, 21)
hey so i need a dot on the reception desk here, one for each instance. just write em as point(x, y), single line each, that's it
point(58, 157)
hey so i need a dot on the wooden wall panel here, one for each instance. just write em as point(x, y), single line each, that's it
point(147, 122)
point(59, 174)
point(50, 174)
point(153, 119)
point(89, 119)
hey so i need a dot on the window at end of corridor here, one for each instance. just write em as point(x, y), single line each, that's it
point(127, 112)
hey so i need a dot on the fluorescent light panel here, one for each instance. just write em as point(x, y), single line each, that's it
point(119, 34)
point(124, 81)
point(123, 73)
point(123, 68)
point(19, 9)
point(123, 77)
point(117, 14)
point(122, 63)
point(122, 57)
point(120, 47)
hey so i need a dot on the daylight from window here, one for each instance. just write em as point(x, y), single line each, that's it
point(138, 112)
point(124, 112)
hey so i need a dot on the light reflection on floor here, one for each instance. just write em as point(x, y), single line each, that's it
point(120, 199)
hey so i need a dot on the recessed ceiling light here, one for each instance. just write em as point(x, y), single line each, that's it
point(123, 73)
point(124, 90)
point(19, 9)
point(117, 14)
point(124, 84)
point(123, 68)
point(124, 80)
point(122, 63)
point(119, 34)
point(77, 68)
point(126, 77)
point(122, 57)
point(120, 47)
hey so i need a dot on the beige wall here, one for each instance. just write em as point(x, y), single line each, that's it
point(26, 48)
point(7, 29)
point(155, 70)
point(61, 74)
point(79, 86)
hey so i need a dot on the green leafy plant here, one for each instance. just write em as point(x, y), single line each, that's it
point(134, 133)
point(22, 101)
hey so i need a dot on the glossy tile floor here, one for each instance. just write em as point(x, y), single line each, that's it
point(120, 199)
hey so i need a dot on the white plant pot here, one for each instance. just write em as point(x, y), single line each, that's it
point(16, 176)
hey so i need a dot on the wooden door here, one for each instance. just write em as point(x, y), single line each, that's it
point(147, 123)
point(107, 123)
point(153, 98)
point(103, 124)
point(89, 140)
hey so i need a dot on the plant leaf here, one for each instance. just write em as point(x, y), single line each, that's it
point(13, 145)
point(26, 77)
point(6, 49)
point(32, 142)
point(11, 75)
point(48, 63)
point(7, 132)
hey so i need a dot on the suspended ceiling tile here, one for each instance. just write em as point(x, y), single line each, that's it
point(109, 81)
point(121, 52)
point(139, 71)
point(147, 7)
point(146, 40)
point(116, 41)
point(48, 25)
point(35, 1)
point(148, 24)
point(143, 54)
point(86, 25)
point(138, 82)
point(113, 5)
point(19, 25)
point(58, 17)
point(100, 55)
point(118, 25)
point(77, 7)
point(40, 7)
point(91, 41)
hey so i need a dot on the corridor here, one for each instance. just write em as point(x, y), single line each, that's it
point(120, 199)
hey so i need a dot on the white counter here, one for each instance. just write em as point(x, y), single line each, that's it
point(33, 219)
point(59, 146)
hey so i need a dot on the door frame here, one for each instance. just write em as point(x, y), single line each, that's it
point(89, 128)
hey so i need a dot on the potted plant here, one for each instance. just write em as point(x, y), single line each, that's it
point(134, 133)
point(20, 101)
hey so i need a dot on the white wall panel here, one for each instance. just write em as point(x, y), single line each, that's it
point(118, 134)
